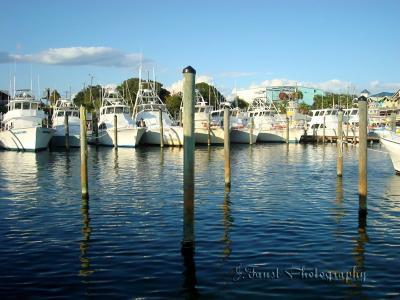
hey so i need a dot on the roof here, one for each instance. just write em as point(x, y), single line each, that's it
point(383, 94)
point(364, 91)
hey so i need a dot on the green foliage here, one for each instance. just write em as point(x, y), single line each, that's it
point(210, 93)
point(52, 96)
point(304, 108)
point(281, 106)
point(342, 100)
point(239, 102)
point(90, 97)
point(173, 103)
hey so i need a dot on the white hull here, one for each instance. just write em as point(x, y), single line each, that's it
point(216, 135)
point(393, 147)
point(172, 136)
point(126, 137)
point(59, 141)
point(279, 135)
point(242, 136)
point(29, 139)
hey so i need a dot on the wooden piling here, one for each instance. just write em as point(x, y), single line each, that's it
point(393, 121)
point(84, 154)
point(362, 155)
point(160, 120)
point(66, 128)
point(251, 131)
point(209, 130)
point(323, 130)
point(188, 155)
point(339, 144)
point(287, 130)
point(115, 132)
point(227, 148)
point(96, 130)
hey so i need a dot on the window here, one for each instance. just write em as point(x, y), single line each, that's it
point(317, 113)
point(25, 105)
point(110, 110)
point(69, 113)
point(18, 105)
point(75, 114)
point(60, 114)
point(103, 111)
point(334, 112)
point(119, 110)
point(354, 112)
point(126, 110)
point(102, 126)
point(34, 106)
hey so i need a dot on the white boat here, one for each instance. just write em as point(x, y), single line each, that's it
point(24, 125)
point(316, 125)
point(128, 133)
point(240, 125)
point(391, 141)
point(272, 125)
point(148, 107)
point(202, 113)
point(63, 108)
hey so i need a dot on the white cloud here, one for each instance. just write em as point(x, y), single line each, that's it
point(178, 85)
point(377, 86)
point(73, 56)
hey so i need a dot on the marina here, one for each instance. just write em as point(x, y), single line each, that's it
point(125, 240)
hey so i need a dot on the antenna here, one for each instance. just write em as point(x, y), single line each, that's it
point(38, 87)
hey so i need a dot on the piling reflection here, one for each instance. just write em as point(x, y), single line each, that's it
point(227, 222)
point(189, 272)
point(338, 211)
point(85, 269)
point(116, 165)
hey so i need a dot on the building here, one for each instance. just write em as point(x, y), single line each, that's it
point(3, 99)
point(365, 93)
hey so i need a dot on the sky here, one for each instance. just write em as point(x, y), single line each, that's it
point(234, 45)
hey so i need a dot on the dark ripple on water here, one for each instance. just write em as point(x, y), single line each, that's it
point(286, 209)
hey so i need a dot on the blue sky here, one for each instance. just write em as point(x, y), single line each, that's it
point(332, 45)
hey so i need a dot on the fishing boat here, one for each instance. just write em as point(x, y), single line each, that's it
point(128, 133)
point(24, 126)
point(391, 141)
point(242, 130)
point(202, 122)
point(64, 108)
point(149, 110)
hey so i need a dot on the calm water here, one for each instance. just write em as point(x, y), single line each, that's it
point(286, 210)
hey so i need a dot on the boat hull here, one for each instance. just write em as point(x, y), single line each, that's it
point(216, 136)
point(59, 141)
point(242, 136)
point(393, 147)
point(26, 139)
point(172, 136)
point(279, 135)
point(126, 137)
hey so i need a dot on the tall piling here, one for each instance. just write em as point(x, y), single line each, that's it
point(66, 128)
point(393, 121)
point(339, 144)
point(227, 148)
point(323, 130)
point(189, 75)
point(251, 131)
point(160, 120)
point(209, 130)
point(84, 154)
point(287, 130)
point(362, 156)
point(115, 131)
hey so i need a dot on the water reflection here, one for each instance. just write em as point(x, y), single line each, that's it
point(189, 272)
point(338, 211)
point(85, 269)
point(227, 222)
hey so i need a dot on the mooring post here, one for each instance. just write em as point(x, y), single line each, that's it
point(84, 154)
point(251, 131)
point(227, 148)
point(393, 121)
point(323, 130)
point(189, 75)
point(209, 130)
point(287, 130)
point(96, 130)
point(339, 143)
point(115, 131)
point(362, 167)
point(66, 128)
point(160, 120)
